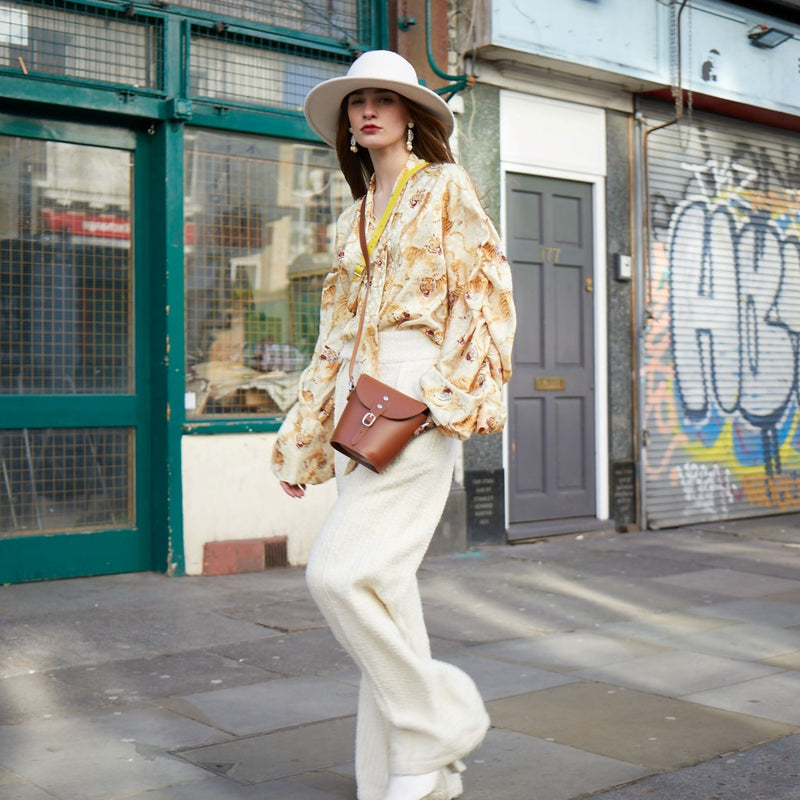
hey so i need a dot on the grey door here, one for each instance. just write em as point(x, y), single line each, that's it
point(551, 394)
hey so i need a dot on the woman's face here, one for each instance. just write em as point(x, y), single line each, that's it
point(378, 118)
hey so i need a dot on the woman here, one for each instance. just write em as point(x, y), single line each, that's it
point(439, 326)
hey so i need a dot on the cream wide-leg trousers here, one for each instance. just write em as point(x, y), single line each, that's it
point(415, 714)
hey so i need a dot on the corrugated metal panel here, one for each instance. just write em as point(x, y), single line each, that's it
point(721, 348)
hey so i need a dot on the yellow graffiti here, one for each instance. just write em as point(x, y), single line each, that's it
point(749, 485)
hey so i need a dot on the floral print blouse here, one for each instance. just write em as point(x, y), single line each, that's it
point(438, 267)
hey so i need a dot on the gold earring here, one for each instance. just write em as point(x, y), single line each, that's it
point(353, 145)
point(410, 137)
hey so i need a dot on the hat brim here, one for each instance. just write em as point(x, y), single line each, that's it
point(324, 101)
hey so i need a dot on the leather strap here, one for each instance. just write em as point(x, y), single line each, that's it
point(367, 248)
point(382, 222)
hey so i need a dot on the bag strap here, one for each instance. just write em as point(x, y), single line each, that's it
point(367, 248)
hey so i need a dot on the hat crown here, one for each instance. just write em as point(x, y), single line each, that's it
point(383, 65)
point(375, 69)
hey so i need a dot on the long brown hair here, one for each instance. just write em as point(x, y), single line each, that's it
point(431, 143)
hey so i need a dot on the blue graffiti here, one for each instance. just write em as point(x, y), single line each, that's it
point(735, 325)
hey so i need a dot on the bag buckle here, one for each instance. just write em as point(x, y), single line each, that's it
point(368, 419)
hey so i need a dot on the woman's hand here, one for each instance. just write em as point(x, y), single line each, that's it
point(294, 489)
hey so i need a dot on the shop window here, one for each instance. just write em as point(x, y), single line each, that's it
point(260, 216)
point(66, 305)
point(88, 43)
point(61, 479)
point(241, 69)
point(336, 19)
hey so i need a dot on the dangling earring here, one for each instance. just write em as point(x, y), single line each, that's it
point(353, 145)
point(410, 137)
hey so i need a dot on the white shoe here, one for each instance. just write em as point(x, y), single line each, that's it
point(413, 787)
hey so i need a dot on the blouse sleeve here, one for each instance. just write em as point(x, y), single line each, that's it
point(302, 451)
point(464, 389)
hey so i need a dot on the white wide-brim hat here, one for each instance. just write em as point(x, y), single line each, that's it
point(375, 69)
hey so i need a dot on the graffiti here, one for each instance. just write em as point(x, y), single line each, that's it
point(707, 488)
point(735, 312)
point(722, 340)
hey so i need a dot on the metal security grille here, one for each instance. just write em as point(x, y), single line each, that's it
point(65, 269)
point(86, 43)
point(259, 238)
point(336, 19)
point(66, 306)
point(62, 479)
point(721, 358)
point(246, 70)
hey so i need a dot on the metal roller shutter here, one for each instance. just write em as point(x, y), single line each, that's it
point(720, 349)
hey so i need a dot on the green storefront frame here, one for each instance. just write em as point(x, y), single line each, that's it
point(150, 122)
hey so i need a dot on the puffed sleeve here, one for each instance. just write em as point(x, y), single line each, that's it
point(464, 389)
point(302, 451)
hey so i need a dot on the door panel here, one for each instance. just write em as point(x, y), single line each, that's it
point(551, 408)
point(73, 411)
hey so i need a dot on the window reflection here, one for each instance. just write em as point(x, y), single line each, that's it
point(260, 217)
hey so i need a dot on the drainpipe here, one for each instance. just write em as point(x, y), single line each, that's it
point(645, 176)
point(648, 278)
point(457, 82)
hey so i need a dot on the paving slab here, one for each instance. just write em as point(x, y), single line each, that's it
point(26, 697)
point(473, 611)
point(496, 679)
point(269, 706)
point(732, 582)
point(65, 640)
point(690, 623)
point(223, 789)
point(332, 784)
point(655, 627)
point(656, 733)
point(8, 777)
point(784, 661)
point(24, 791)
point(568, 650)
point(767, 772)
point(792, 596)
point(713, 550)
point(168, 675)
point(677, 673)
point(773, 697)
point(274, 756)
point(513, 766)
point(768, 612)
point(104, 755)
point(299, 615)
point(311, 652)
point(634, 597)
point(747, 640)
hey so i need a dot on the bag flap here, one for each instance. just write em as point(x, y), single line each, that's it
point(370, 393)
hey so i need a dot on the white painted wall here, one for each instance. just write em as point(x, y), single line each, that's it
point(635, 40)
point(557, 139)
point(229, 492)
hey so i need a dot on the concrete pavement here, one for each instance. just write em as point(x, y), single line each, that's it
point(660, 664)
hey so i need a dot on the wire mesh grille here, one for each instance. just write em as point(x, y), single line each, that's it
point(66, 281)
point(240, 69)
point(66, 479)
point(337, 19)
point(260, 223)
point(83, 42)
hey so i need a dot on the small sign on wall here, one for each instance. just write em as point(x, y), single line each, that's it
point(485, 506)
point(623, 492)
